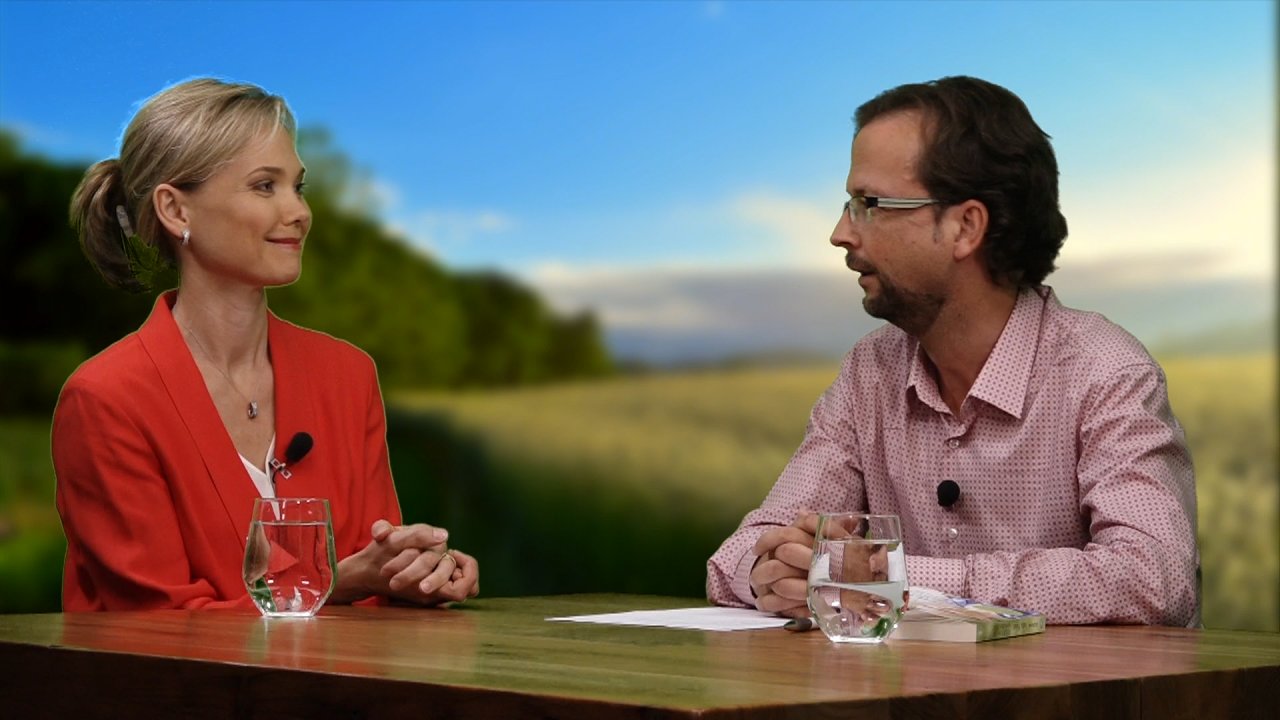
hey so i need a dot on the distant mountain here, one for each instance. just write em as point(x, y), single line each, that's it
point(732, 315)
point(698, 317)
point(1180, 314)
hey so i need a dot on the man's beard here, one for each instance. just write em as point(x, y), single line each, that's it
point(914, 312)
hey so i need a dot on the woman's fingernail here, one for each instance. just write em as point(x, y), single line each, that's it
point(440, 534)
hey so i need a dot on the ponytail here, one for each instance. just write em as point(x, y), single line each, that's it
point(98, 224)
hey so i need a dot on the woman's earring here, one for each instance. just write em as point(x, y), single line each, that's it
point(186, 237)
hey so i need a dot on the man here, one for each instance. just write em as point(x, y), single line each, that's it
point(1076, 492)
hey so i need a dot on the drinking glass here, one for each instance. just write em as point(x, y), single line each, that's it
point(290, 565)
point(858, 577)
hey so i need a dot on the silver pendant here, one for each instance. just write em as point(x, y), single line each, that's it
point(253, 409)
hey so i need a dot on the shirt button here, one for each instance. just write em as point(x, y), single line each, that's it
point(953, 443)
point(952, 534)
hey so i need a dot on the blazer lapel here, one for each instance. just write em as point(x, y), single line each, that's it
point(295, 411)
point(182, 380)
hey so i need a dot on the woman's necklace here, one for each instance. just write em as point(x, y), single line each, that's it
point(253, 404)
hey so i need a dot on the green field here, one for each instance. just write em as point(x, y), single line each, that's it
point(629, 484)
point(660, 469)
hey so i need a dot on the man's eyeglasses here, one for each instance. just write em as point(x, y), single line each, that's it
point(859, 207)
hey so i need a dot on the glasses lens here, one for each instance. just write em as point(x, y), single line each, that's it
point(856, 207)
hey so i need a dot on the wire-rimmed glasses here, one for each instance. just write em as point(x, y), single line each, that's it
point(859, 207)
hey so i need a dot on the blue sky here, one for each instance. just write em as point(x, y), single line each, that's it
point(610, 152)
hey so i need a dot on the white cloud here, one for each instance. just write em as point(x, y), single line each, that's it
point(1188, 219)
point(1203, 207)
point(1127, 237)
point(441, 231)
point(798, 228)
point(435, 230)
point(1218, 208)
point(370, 195)
point(692, 299)
point(386, 196)
point(1150, 251)
point(628, 297)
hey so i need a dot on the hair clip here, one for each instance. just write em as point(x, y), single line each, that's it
point(123, 217)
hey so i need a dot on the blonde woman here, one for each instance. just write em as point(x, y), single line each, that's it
point(162, 441)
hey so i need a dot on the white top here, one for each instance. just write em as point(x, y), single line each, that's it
point(266, 488)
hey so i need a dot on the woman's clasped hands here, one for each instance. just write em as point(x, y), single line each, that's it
point(412, 563)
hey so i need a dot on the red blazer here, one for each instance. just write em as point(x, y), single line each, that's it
point(154, 499)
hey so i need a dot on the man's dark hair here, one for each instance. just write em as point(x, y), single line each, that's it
point(981, 142)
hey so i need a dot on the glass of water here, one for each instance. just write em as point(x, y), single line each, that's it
point(290, 565)
point(858, 577)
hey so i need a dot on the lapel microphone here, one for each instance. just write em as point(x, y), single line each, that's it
point(948, 493)
point(298, 448)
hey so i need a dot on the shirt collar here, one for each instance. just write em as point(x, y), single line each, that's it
point(921, 380)
point(1004, 378)
point(1007, 373)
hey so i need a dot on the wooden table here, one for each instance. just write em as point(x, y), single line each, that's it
point(499, 658)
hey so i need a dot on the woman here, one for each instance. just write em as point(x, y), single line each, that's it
point(162, 441)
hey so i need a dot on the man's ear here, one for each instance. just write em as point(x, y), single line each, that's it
point(171, 208)
point(971, 227)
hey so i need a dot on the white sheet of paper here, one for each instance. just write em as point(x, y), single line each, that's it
point(699, 618)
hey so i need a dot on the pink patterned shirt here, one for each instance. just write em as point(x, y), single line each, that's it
point(1077, 492)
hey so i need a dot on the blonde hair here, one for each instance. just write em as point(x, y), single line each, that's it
point(180, 136)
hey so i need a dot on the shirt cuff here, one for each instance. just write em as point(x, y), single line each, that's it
point(741, 584)
point(942, 574)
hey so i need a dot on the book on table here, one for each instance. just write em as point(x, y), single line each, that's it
point(932, 615)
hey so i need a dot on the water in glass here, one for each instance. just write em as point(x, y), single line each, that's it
point(290, 563)
point(858, 577)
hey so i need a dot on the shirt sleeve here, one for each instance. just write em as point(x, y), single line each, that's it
point(823, 475)
point(125, 548)
point(1137, 494)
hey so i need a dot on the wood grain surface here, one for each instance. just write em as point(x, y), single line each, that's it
point(499, 658)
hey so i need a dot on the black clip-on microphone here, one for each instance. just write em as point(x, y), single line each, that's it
point(948, 493)
point(298, 448)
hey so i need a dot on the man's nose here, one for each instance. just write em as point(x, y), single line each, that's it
point(843, 233)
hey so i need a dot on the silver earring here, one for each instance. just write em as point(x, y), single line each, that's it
point(186, 237)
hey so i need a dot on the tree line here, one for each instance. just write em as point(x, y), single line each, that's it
point(424, 325)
